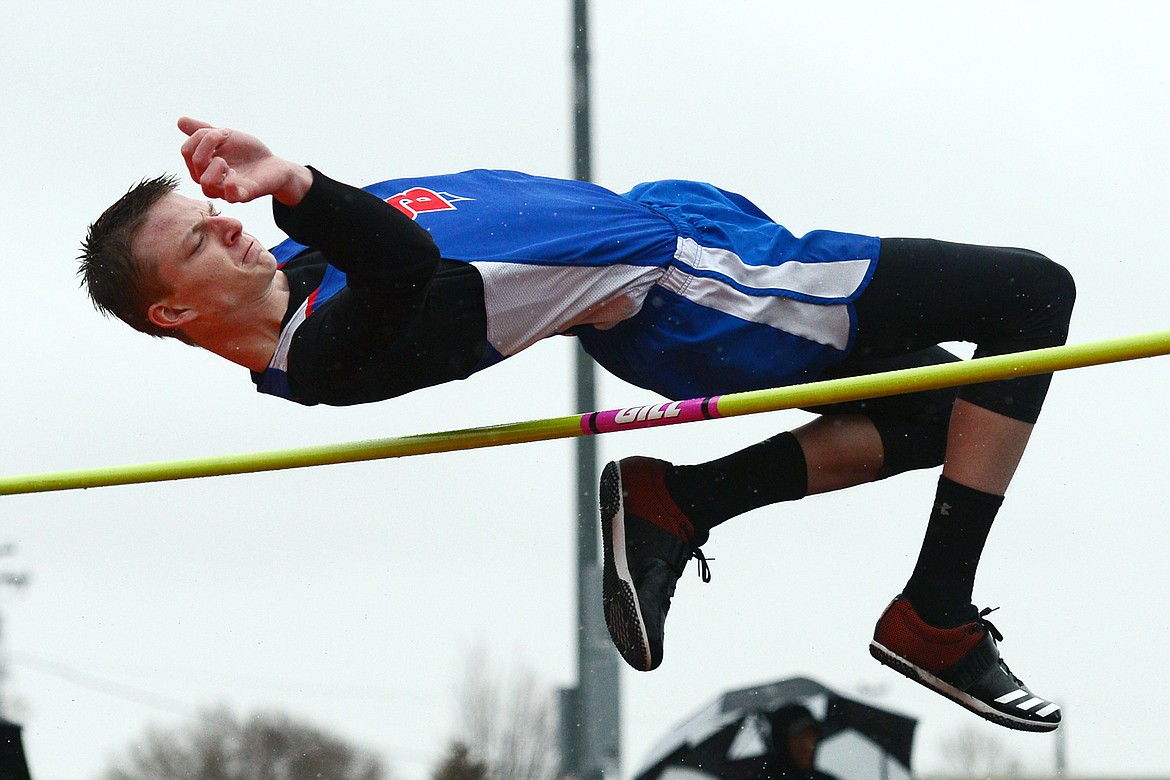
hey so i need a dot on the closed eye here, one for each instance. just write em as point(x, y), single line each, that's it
point(201, 228)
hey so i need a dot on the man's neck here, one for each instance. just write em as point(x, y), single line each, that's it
point(250, 341)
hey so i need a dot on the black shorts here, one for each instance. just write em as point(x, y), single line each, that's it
point(1002, 300)
point(927, 292)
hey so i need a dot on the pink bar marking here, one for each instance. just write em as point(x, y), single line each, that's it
point(650, 416)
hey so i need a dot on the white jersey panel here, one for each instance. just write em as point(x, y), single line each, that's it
point(527, 302)
point(827, 280)
point(757, 292)
point(823, 323)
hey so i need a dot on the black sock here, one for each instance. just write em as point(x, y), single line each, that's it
point(765, 473)
point(944, 577)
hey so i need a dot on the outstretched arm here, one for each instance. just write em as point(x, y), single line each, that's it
point(238, 167)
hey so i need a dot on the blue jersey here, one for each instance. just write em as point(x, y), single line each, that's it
point(676, 286)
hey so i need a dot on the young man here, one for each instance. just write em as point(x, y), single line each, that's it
point(678, 287)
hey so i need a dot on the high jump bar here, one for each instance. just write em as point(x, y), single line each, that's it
point(908, 380)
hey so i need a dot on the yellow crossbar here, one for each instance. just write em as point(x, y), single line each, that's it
point(909, 380)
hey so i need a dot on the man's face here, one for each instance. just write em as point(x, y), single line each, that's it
point(214, 272)
point(802, 746)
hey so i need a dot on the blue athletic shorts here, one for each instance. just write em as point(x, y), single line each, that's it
point(743, 305)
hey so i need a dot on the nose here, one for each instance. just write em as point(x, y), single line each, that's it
point(229, 228)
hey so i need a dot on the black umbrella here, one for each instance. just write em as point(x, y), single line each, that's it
point(13, 764)
point(727, 738)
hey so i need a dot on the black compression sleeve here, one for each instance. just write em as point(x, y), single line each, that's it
point(359, 233)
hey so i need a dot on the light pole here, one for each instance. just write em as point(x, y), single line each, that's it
point(591, 712)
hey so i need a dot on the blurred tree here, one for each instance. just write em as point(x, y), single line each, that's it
point(266, 746)
point(508, 722)
point(459, 765)
point(976, 752)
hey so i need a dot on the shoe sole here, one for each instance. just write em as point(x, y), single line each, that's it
point(899, 664)
point(623, 616)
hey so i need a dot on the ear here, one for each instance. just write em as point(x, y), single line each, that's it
point(168, 316)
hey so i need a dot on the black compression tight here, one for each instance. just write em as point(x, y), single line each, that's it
point(1002, 300)
point(928, 292)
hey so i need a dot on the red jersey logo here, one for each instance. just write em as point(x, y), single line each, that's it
point(417, 200)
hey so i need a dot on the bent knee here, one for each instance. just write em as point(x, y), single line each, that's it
point(1062, 288)
point(1052, 293)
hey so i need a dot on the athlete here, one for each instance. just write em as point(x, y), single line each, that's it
point(678, 287)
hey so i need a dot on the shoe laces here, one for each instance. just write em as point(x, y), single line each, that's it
point(704, 568)
point(983, 624)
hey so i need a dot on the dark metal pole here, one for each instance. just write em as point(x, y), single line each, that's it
point(592, 728)
point(582, 122)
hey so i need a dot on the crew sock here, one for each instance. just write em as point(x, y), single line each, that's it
point(941, 584)
point(765, 473)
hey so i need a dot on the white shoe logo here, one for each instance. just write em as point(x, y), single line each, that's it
point(1031, 703)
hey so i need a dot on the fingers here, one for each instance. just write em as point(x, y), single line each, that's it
point(219, 180)
point(213, 176)
point(200, 149)
point(213, 156)
point(189, 125)
point(234, 190)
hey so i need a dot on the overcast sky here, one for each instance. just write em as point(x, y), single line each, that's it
point(351, 595)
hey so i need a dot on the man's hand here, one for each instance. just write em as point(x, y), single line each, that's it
point(238, 167)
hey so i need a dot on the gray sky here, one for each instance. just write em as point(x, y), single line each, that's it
point(351, 595)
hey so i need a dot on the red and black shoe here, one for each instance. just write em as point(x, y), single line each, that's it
point(647, 541)
point(961, 663)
